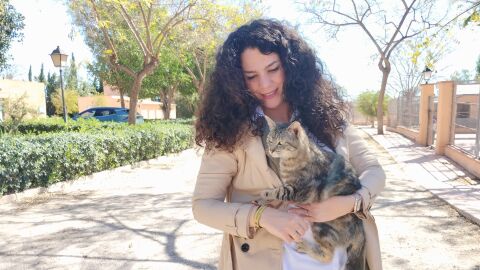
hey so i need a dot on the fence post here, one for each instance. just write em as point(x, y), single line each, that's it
point(426, 91)
point(444, 115)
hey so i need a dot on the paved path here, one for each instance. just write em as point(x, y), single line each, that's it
point(418, 231)
point(128, 218)
point(140, 218)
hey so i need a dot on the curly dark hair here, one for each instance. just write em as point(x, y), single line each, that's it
point(227, 108)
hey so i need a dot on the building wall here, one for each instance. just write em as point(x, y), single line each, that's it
point(35, 95)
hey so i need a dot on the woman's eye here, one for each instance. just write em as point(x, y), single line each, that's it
point(274, 69)
point(250, 77)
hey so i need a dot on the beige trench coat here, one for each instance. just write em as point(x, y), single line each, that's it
point(228, 182)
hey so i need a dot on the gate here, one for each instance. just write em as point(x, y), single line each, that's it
point(432, 120)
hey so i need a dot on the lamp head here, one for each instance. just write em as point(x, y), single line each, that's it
point(427, 74)
point(59, 59)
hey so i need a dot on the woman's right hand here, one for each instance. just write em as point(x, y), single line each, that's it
point(287, 226)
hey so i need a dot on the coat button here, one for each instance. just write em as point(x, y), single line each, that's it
point(245, 247)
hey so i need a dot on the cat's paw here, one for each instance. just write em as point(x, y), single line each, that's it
point(301, 247)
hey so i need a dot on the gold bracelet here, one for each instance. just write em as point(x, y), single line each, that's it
point(258, 215)
point(358, 203)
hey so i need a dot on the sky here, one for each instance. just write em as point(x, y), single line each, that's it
point(349, 58)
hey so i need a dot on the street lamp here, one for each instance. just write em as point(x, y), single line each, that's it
point(59, 60)
point(427, 74)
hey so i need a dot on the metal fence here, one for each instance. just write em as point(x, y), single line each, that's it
point(404, 111)
point(466, 115)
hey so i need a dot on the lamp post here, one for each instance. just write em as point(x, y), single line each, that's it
point(59, 59)
point(427, 74)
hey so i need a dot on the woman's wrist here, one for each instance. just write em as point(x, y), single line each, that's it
point(258, 216)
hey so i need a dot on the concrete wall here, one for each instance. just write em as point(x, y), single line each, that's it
point(466, 160)
point(35, 95)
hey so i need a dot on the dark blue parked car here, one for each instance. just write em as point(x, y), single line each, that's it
point(108, 114)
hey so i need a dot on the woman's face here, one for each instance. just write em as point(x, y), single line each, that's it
point(264, 76)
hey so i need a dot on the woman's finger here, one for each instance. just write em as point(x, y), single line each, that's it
point(299, 211)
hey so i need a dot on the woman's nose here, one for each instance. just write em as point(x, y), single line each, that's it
point(265, 82)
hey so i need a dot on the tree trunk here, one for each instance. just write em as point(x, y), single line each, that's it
point(167, 97)
point(137, 83)
point(385, 72)
point(122, 98)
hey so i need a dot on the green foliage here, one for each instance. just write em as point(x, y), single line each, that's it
point(71, 78)
point(477, 69)
point(30, 74)
point(15, 110)
point(41, 76)
point(463, 75)
point(56, 124)
point(367, 103)
point(71, 101)
point(39, 161)
point(473, 18)
point(11, 25)
point(186, 105)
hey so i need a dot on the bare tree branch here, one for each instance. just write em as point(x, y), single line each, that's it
point(113, 59)
point(134, 30)
point(146, 22)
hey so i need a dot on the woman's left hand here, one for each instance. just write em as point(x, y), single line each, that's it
point(330, 209)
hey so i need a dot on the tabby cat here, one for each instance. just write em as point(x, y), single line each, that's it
point(312, 174)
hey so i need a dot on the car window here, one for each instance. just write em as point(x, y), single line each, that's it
point(87, 113)
point(102, 112)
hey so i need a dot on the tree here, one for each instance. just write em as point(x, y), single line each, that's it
point(200, 44)
point(400, 22)
point(148, 24)
point(11, 25)
point(463, 75)
point(52, 83)
point(71, 101)
point(16, 109)
point(118, 79)
point(367, 104)
point(412, 57)
point(71, 77)
point(41, 76)
point(477, 69)
point(30, 74)
point(474, 16)
point(168, 77)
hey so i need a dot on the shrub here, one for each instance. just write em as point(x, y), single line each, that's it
point(38, 161)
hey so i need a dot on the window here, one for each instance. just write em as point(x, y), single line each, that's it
point(87, 113)
point(463, 110)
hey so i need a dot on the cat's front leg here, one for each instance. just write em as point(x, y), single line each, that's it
point(282, 193)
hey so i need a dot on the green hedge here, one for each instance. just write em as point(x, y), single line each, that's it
point(38, 161)
point(56, 124)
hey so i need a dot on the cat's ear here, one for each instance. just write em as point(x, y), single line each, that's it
point(270, 123)
point(295, 127)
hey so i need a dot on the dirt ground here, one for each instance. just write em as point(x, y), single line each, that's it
point(140, 218)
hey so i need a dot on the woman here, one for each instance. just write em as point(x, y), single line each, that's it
point(265, 68)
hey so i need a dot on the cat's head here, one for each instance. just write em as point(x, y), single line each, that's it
point(286, 141)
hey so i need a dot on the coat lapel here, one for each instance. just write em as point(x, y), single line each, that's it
point(255, 152)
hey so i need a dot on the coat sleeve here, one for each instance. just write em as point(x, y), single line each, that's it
point(209, 207)
point(370, 172)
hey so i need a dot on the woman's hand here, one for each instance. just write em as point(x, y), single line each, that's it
point(330, 209)
point(287, 226)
